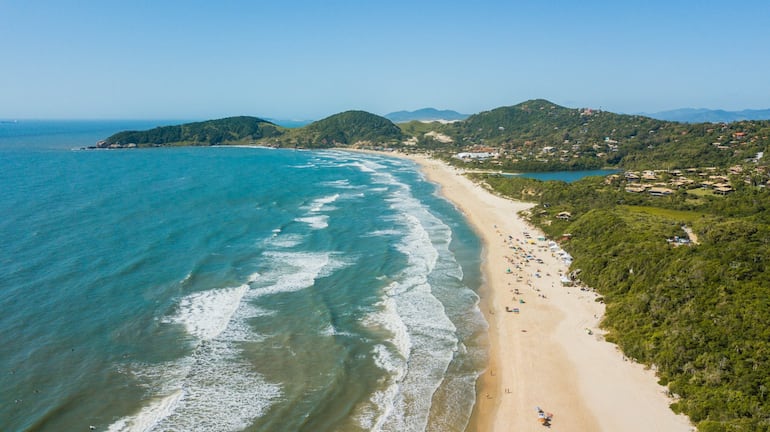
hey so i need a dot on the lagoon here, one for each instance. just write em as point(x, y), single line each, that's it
point(566, 176)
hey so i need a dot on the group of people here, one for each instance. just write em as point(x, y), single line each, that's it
point(544, 417)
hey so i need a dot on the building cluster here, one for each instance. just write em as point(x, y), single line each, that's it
point(666, 182)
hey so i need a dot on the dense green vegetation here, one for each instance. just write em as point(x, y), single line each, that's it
point(535, 135)
point(541, 136)
point(347, 128)
point(212, 132)
point(343, 129)
point(698, 314)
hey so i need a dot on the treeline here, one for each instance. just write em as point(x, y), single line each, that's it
point(339, 130)
point(211, 132)
point(698, 314)
point(538, 135)
point(343, 129)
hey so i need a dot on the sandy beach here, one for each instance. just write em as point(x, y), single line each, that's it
point(546, 348)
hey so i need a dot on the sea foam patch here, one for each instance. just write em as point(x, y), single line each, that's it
point(221, 392)
point(315, 222)
point(149, 416)
point(206, 314)
point(294, 271)
point(321, 204)
point(287, 240)
point(423, 338)
point(213, 388)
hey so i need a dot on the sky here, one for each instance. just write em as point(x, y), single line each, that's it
point(305, 60)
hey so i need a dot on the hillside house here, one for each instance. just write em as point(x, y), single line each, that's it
point(660, 191)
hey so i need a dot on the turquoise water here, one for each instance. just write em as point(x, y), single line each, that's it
point(228, 289)
point(567, 176)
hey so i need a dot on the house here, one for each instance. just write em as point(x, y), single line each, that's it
point(564, 215)
point(632, 176)
point(649, 175)
point(475, 155)
point(722, 188)
point(635, 188)
point(660, 191)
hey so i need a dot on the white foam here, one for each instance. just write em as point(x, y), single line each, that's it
point(221, 393)
point(206, 314)
point(384, 233)
point(294, 271)
point(320, 203)
point(149, 416)
point(363, 165)
point(390, 320)
point(423, 338)
point(186, 278)
point(213, 388)
point(287, 240)
point(316, 222)
point(330, 331)
point(308, 165)
point(344, 183)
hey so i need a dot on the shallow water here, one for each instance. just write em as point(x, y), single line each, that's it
point(202, 289)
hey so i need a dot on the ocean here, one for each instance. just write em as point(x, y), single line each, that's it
point(229, 289)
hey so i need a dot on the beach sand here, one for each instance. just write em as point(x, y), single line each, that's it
point(543, 355)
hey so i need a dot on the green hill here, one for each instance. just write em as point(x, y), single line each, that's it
point(347, 129)
point(231, 130)
point(538, 135)
point(535, 135)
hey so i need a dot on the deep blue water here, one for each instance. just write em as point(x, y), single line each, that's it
point(227, 289)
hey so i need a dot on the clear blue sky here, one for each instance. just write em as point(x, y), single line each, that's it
point(308, 59)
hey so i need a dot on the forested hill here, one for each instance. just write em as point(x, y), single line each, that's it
point(345, 129)
point(231, 130)
point(536, 135)
point(539, 135)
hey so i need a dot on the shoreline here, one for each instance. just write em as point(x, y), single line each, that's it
point(551, 353)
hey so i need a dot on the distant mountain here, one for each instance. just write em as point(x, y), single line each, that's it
point(702, 115)
point(425, 114)
point(231, 130)
point(289, 123)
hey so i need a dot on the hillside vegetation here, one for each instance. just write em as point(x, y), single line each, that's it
point(345, 129)
point(541, 136)
point(535, 135)
point(232, 130)
point(699, 314)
